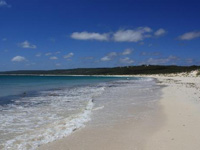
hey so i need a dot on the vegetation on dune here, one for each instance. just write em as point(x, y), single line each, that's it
point(198, 73)
point(128, 70)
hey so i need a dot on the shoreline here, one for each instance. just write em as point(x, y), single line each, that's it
point(45, 75)
point(175, 125)
point(137, 119)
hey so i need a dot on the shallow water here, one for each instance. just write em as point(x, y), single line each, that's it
point(126, 100)
point(35, 110)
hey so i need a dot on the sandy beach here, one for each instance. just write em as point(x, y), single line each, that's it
point(180, 103)
point(100, 75)
point(174, 125)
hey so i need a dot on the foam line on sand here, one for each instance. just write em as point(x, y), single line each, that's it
point(175, 126)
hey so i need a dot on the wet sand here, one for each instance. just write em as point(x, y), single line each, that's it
point(174, 125)
point(128, 135)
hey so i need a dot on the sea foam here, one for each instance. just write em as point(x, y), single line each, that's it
point(56, 126)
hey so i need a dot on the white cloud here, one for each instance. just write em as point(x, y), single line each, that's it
point(90, 36)
point(52, 40)
point(87, 58)
point(69, 55)
point(189, 61)
point(150, 45)
point(124, 35)
point(4, 39)
point(38, 55)
point(141, 43)
point(160, 61)
point(6, 50)
point(144, 53)
point(112, 55)
point(150, 53)
point(127, 52)
point(160, 32)
point(18, 59)
point(190, 35)
point(3, 3)
point(26, 44)
point(105, 58)
point(30, 64)
point(154, 61)
point(48, 54)
point(109, 56)
point(136, 35)
point(126, 60)
point(58, 52)
point(58, 64)
point(53, 58)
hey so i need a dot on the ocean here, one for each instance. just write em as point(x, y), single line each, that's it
point(35, 110)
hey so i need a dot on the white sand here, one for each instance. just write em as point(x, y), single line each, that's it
point(181, 106)
point(175, 126)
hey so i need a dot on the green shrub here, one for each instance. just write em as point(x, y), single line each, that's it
point(198, 74)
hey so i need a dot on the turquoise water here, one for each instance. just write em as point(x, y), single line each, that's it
point(35, 110)
point(39, 109)
point(14, 85)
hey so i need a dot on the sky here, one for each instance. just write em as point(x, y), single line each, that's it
point(65, 34)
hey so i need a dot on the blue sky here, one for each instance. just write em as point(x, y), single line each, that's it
point(62, 34)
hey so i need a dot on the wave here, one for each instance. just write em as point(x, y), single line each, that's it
point(55, 131)
point(29, 122)
point(56, 126)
